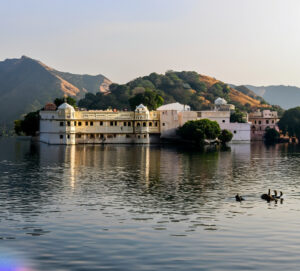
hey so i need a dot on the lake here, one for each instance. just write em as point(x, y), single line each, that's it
point(139, 207)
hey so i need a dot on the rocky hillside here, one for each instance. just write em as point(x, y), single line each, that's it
point(27, 84)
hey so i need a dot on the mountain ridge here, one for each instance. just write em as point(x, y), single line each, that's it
point(27, 84)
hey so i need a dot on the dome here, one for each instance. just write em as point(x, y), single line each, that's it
point(141, 108)
point(220, 101)
point(66, 106)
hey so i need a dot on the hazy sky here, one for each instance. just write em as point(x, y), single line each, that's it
point(237, 41)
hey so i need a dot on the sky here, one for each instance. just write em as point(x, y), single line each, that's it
point(237, 41)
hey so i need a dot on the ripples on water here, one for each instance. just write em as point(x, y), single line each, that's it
point(123, 207)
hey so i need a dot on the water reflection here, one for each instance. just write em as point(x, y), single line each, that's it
point(113, 206)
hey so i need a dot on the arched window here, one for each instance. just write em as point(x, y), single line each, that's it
point(138, 124)
point(150, 124)
point(144, 124)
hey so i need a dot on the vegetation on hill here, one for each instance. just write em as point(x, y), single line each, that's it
point(151, 99)
point(69, 100)
point(186, 87)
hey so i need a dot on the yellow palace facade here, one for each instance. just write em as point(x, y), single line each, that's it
point(65, 125)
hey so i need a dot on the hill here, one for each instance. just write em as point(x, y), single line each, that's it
point(187, 87)
point(27, 84)
point(285, 96)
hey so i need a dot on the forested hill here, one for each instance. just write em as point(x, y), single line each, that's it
point(186, 87)
point(27, 84)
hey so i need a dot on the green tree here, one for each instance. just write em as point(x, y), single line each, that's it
point(271, 136)
point(290, 122)
point(237, 116)
point(31, 123)
point(18, 127)
point(225, 136)
point(70, 101)
point(199, 130)
point(151, 99)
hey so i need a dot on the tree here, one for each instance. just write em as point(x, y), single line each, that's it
point(18, 127)
point(30, 125)
point(290, 122)
point(225, 136)
point(237, 116)
point(70, 101)
point(151, 99)
point(199, 130)
point(271, 136)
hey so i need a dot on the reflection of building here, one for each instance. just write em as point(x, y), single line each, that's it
point(261, 121)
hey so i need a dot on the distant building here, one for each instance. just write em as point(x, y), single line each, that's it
point(261, 121)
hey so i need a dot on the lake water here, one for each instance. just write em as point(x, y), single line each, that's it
point(124, 207)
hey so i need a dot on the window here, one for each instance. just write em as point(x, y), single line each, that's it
point(61, 124)
point(101, 123)
point(125, 123)
point(164, 124)
point(267, 121)
point(156, 124)
point(138, 124)
point(111, 123)
point(259, 122)
point(91, 123)
point(75, 123)
point(86, 123)
point(78, 135)
point(129, 123)
point(79, 123)
point(61, 136)
point(272, 121)
point(128, 136)
point(234, 131)
point(68, 136)
point(255, 121)
point(101, 135)
point(223, 121)
point(145, 136)
point(144, 124)
point(150, 124)
point(92, 136)
point(116, 124)
point(68, 123)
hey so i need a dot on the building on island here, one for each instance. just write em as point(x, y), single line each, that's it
point(69, 126)
point(65, 125)
point(261, 121)
point(171, 119)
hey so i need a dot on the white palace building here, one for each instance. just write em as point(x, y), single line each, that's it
point(65, 125)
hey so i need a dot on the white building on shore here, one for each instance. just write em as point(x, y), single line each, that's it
point(171, 119)
point(65, 125)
